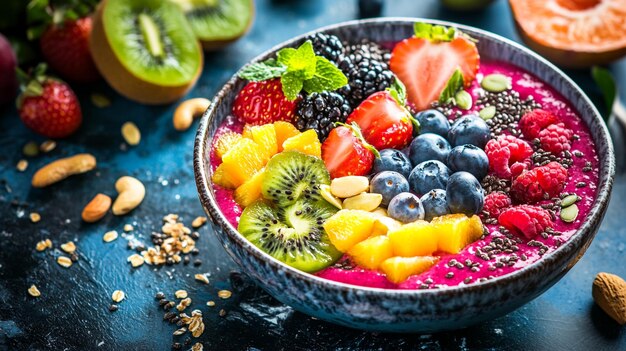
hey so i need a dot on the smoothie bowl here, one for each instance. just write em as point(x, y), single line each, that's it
point(403, 175)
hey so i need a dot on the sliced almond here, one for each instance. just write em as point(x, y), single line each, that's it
point(109, 236)
point(68, 247)
point(364, 201)
point(349, 186)
point(332, 199)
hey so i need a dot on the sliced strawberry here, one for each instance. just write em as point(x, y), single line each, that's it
point(384, 122)
point(346, 153)
point(425, 66)
point(263, 102)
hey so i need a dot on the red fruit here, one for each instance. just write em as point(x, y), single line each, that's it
point(385, 124)
point(508, 156)
point(495, 203)
point(555, 138)
point(425, 66)
point(345, 152)
point(66, 49)
point(534, 121)
point(531, 185)
point(526, 220)
point(53, 111)
point(8, 78)
point(263, 102)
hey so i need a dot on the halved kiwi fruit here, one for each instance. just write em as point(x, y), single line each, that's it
point(218, 22)
point(145, 49)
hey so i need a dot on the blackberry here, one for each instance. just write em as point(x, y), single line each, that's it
point(365, 77)
point(326, 45)
point(319, 111)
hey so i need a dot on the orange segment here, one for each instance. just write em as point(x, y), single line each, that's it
point(307, 143)
point(243, 160)
point(370, 253)
point(284, 131)
point(222, 179)
point(398, 269)
point(224, 142)
point(264, 136)
point(346, 228)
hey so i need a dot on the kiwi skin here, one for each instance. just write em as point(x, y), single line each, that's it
point(214, 45)
point(123, 81)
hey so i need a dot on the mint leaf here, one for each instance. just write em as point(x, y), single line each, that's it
point(455, 83)
point(301, 59)
point(263, 70)
point(292, 84)
point(434, 32)
point(398, 91)
point(327, 77)
point(606, 83)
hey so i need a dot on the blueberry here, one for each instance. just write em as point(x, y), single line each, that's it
point(429, 175)
point(388, 184)
point(427, 147)
point(392, 160)
point(469, 129)
point(435, 204)
point(469, 158)
point(464, 194)
point(405, 207)
point(433, 121)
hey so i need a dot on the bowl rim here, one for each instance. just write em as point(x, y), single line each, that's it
point(596, 212)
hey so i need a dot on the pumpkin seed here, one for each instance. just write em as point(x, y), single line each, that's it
point(487, 113)
point(569, 214)
point(463, 100)
point(569, 200)
point(31, 149)
point(496, 83)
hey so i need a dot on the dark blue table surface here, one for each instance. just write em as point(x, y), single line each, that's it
point(72, 313)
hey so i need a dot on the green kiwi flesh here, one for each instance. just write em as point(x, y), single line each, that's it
point(218, 21)
point(293, 235)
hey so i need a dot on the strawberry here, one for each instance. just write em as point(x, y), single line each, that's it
point(49, 106)
point(263, 102)
point(65, 47)
point(384, 122)
point(345, 152)
point(426, 62)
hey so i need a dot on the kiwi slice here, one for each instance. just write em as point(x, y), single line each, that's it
point(292, 175)
point(293, 235)
point(218, 22)
point(145, 49)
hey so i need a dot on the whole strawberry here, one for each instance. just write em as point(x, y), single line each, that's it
point(263, 102)
point(48, 106)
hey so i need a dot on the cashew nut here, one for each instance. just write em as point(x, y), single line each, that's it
point(131, 193)
point(63, 168)
point(187, 111)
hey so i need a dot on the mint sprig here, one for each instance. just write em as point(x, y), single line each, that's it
point(298, 69)
point(455, 83)
point(434, 32)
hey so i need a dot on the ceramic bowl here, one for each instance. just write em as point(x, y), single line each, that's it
point(412, 310)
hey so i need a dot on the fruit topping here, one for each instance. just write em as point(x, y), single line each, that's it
point(417, 238)
point(284, 131)
point(384, 225)
point(540, 183)
point(388, 184)
point(363, 201)
point(429, 175)
point(349, 186)
point(427, 147)
point(508, 156)
point(320, 111)
point(263, 102)
point(526, 220)
point(555, 138)
point(464, 194)
point(8, 64)
point(264, 136)
point(392, 160)
point(371, 252)
point(326, 45)
point(398, 269)
point(535, 121)
point(328, 196)
point(292, 234)
point(433, 121)
point(242, 161)
point(366, 76)
point(225, 142)
point(383, 121)
point(455, 231)
point(291, 176)
point(495, 203)
point(306, 142)
point(250, 190)
point(347, 228)
point(405, 207)
point(469, 129)
point(345, 152)
point(220, 178)
point(425, 63)
point(435, 204)
point(469, 158)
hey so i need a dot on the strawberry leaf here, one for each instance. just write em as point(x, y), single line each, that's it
point(398, 91)
point(326, 77)
point(455, 83)
point(434, 32)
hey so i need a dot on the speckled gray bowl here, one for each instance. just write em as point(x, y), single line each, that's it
point(401, 310)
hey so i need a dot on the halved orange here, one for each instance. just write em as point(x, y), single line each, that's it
point(573, 33)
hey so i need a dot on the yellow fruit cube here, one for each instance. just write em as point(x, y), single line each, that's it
point(369, 253)
point(224, 142)
point(347, 228)
point(398, 269)
point(220, 178)
point(243, 160)
point(264, 136)
point(307, 143)
point(284, 131)
point(250, 190)
point(384, 225)
point(455, 231)
point(417, 238)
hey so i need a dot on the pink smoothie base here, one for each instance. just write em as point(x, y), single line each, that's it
point(439, 275)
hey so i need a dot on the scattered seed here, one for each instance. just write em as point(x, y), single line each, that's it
point(180, 294)
point(202, 277)
point(496, 83)
point(113, 307)
point(33, 291)
point(131, 133)
point(224, 294)
point(118, 296)
point(47, 146)
point(198, 222)
point(487, 113)
point(197, 347)
point(222, 312)
point(21, 165)
point(34, 217)
point(184, 303)
point(109, 236)
point(177, 346)
point(43, 244)
point(64, 261)
point(463, 100)
point(569, 214)
point(128, 228)
point(30, 149)
point(180, 331)
point(100, 101)
point(159, 296)
point(210, 303)
point(136, 260)
point(68, 247)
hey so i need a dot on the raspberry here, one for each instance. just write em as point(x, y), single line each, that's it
point(530, 186)
point(526, 219)
point(555, 138)
point(534, 121)
point(508, 156)
point(495, 203)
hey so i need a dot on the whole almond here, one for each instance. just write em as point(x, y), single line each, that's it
point(96, 208)
point(609, 292)
point(349, 186)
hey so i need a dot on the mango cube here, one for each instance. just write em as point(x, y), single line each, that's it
point(418, 238)
point(250, 190)
point(307, 143)
point(398, 269)
point(370, 253)
point(347, 228)
point(455, 231)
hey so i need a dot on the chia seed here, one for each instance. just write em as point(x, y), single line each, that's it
point(450, 275)
point(581, 184)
